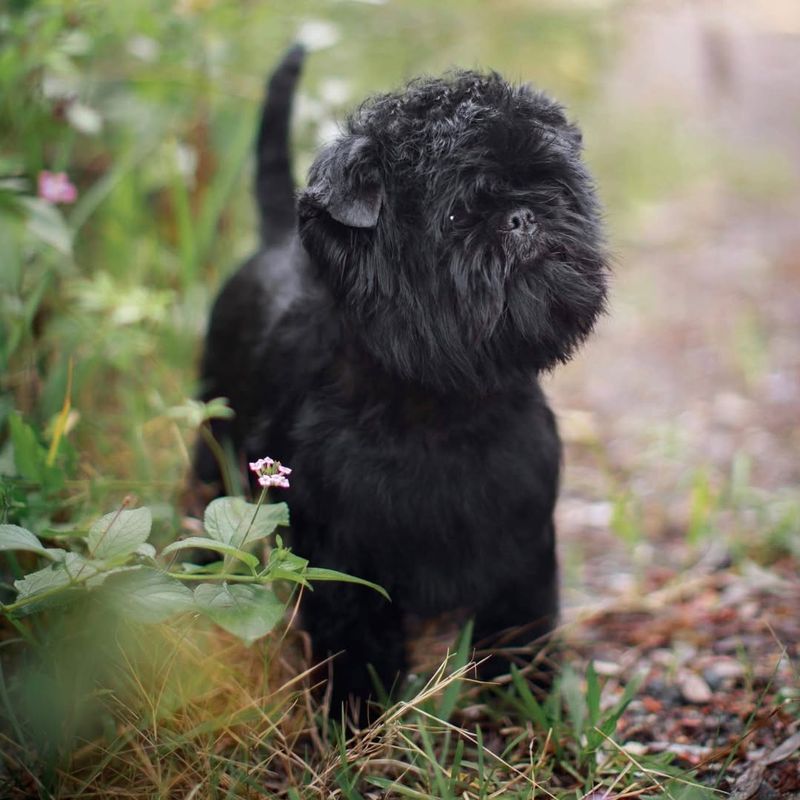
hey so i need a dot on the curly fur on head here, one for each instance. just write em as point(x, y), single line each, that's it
point(407, 218)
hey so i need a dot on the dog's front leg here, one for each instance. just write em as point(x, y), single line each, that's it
point(511, 626)
point(355, 627)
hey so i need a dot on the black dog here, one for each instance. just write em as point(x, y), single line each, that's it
point(449, 250)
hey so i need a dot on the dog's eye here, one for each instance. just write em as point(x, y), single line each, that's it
point(457, 217)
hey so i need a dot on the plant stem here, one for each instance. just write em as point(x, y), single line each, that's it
point(219, 456)
point(261, 499)
point(222, 576)
point(11, 607)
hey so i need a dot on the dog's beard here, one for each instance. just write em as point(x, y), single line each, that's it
point(482, 321)
point(540, 294)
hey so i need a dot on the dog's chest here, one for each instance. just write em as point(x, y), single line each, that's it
point(443, 489)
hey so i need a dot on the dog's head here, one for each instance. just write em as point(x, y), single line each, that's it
point(458, 230)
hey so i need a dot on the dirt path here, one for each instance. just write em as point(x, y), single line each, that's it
point(696, 370)
point(682, 416)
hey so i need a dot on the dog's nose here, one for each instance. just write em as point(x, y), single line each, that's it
point(520, 221)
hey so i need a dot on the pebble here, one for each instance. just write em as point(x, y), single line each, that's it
point(722, 672)
point(693, 688)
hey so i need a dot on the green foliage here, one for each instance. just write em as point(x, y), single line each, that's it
point(145, 594)
point(446, 705)
point(208, 543)
point(119, 533)
point(116, 558)
point(32, 476)
point(12, 537)
point(248, 612)
point(566, 738)
point(703, 503)
point(625, 519)
point(235, 522)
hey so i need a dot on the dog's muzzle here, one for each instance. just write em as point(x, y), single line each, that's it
point(521, 233)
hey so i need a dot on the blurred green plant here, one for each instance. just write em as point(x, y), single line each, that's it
point(626, 518)
point(33, 476)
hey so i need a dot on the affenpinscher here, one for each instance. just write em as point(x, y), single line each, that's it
point(385, 342)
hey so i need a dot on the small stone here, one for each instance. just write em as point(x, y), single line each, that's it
point(651, 705)
point(607, 669)
point(693, 688)
point(722, 672)
point(636, 748)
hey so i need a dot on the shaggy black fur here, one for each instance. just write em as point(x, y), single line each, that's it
point(449, 250)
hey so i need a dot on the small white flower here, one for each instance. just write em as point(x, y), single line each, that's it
point(317, 34)
point(84, 119)
point(334, 91)
point(145, 48)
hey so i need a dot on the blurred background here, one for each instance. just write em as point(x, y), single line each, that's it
point(681, 415)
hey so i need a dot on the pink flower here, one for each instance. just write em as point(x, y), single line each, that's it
point(271, 473)
point(278, 481)
point(260, 465)
point(55, 187)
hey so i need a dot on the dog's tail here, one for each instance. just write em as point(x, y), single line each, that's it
point(274, 184)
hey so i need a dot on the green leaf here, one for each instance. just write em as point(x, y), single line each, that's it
point(43, 580)
point(146, 550)
point(574, 700)
point(455, 768)
point(247, 611)
point(194, 412)
point(96, 581)
point(234, 521)
point(286, 560)
point(593, 692)
point(73, 568)
point(530, 704)
point(451, 694)
point(213, 568)
point(147, 595)
point(52, 532)
point(119, 533)
point(609, 725)
point(287, 575)
point(29, 455)
point(58, 598)
point(320, 574)
point(212, 544)
point(12, 537)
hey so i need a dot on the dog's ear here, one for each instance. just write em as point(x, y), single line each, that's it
point(345, 181)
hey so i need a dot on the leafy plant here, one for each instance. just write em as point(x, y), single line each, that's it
point(114, 557)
